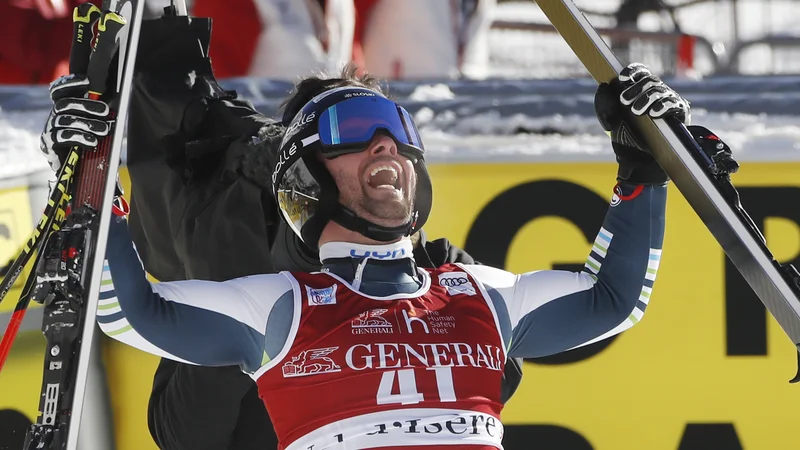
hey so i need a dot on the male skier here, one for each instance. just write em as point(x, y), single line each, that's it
point(372, 351)
point(196, 169)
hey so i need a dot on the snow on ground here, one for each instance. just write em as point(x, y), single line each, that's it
point(489, 137)
point(580, 138)
point(19, 144)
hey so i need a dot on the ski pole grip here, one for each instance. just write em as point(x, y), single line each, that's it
point(104, 50)
point(83, 18)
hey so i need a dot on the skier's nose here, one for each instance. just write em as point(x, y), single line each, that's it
point(382, 145)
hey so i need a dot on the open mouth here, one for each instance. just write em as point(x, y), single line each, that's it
point(384, 176)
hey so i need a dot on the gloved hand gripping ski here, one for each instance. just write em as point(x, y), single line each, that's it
point(644, 93)
point(74, 120)
point(639, 92)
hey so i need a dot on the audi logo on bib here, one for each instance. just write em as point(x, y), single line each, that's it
point(456, 283)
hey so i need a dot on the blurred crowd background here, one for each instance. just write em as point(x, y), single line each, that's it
point(512, 115)
point(430, 39)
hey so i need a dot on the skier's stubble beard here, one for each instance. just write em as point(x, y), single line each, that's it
point(383, 210)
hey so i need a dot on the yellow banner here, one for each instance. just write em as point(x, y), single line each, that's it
point(706, 368)
point(16, 225)
point(671, 375)
point(20, 379)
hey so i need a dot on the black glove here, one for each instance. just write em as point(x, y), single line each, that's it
point(74, 120)
point(640, 92)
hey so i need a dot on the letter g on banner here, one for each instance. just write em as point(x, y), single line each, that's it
point(489, 239)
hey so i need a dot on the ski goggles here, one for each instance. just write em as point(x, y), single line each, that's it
point(349, 125)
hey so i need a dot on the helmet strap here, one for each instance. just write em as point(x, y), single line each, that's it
point(348, 219)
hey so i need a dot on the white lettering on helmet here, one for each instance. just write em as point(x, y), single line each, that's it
point(321, 96)
point(282, 158)
point(359, 94)
point(300, 122)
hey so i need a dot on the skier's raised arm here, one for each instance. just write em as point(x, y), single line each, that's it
point(553, 311)
point(237, 322)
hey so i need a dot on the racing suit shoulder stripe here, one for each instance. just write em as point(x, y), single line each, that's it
point(551, 311)
point(496, 305)
point(202, 322)
point(297, 309)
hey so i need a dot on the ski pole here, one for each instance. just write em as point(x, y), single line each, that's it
point(93, 168)
point(21, 308)
point(51, 211)
point(180, 6)
point(16, 320)
point(84, 17)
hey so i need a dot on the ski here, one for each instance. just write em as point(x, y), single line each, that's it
point(84, 17)
point(710, 194)
point(67, 276)
point(53, 210)
point(51, 221)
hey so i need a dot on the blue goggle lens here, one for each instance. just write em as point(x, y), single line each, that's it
point(355, 121)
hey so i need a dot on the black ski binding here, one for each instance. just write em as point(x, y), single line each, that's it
point(715, 157)
point(59, 287)
point(61, 269)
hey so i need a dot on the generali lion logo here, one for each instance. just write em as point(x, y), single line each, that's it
point(371, 322)
point(371, 318)
point(311, 362)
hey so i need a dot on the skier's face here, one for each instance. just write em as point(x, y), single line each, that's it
point(377, 184)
